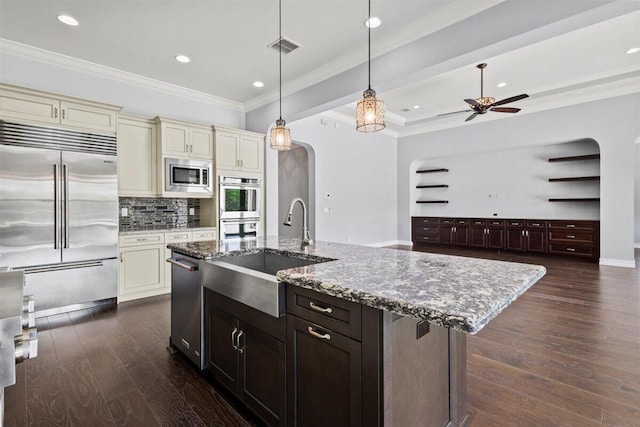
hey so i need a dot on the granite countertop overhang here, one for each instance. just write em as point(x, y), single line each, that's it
point(461, 293)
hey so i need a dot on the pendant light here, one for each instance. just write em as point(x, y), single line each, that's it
point(280, 138)
point(370, 111)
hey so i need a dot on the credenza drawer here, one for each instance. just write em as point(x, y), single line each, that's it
point(578, 250)
point(574, 225)
point(424, 220)
point(566, 236)
point(432, 238)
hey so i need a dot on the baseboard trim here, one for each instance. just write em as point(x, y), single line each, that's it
point(618, 262)
point(390, 243)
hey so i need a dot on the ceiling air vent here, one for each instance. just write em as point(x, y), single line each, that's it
point(288, 45)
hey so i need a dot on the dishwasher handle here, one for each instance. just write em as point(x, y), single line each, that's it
point(182, 264)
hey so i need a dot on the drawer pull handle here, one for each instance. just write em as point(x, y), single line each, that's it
point(318, 335)
point(571, 249)
point(571, 226)
point(142, 239)
point(535, 224)
point(317, 308)
point(233, 338)
point(570, 236)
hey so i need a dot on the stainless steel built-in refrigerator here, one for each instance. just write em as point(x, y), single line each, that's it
point(59, 214)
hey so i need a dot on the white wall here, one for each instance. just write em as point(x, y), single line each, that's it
point(355, 178)
point(509, 183)
point(140, 96)
point(637, 194)
point(614, 123)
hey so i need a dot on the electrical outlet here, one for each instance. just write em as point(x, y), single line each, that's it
point(422, 329)
point(192, 211)
point(124, 212)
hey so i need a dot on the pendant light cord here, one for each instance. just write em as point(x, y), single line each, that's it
point(280, 50)
point(369, 28)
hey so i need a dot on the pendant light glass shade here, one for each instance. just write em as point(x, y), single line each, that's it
point(370, 113)
point(280, 138)
point(370, 110)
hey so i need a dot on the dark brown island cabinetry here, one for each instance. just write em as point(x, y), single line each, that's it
point(569, 237)
point(336, 351)
point(246, 352)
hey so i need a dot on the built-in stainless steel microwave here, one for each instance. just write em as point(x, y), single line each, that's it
point(188, 176)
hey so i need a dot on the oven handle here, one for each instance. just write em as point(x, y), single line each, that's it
point(239, 186)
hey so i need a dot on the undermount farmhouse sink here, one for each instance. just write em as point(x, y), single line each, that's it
point(251, 279)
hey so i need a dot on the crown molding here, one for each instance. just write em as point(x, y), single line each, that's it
point(20, 50)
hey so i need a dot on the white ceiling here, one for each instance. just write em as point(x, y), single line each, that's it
point(227, 39)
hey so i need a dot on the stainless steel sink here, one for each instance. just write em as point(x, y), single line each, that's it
point(251, 279)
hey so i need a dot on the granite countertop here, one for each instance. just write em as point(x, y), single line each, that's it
point(457, 292)
point(163, 230)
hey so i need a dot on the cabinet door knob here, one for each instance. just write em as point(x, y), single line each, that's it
point(318, 335)
point(327, 310)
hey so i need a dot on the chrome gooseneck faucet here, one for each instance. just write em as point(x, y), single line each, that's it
point(306, 237)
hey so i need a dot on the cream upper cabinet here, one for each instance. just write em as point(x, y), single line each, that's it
point(181, 139)
point(31, 106)
point(239, 151)
point(137, 157)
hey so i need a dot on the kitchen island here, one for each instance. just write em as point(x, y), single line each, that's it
point(370, 336)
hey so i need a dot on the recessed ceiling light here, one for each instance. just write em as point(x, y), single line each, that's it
point(258, 83)
point(633, 50)
point(373, 22)
point(69, 20)
point(415, 107)
point(183, 58)
point(501, 84)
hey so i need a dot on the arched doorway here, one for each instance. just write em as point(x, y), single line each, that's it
point(296, 178)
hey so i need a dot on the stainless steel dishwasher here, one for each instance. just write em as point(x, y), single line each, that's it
point(186, 308)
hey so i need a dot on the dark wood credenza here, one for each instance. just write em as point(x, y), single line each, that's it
point(577, 238)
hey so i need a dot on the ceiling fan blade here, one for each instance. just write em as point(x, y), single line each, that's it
point(512, 99)
point(471, 117)
point(454, 112)
point(473, 102)
point(505, 110)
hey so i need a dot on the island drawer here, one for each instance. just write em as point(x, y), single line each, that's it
point(532, 223)
point(478, 222)
point(495, 223)
point(343, 317)
point(515, 223)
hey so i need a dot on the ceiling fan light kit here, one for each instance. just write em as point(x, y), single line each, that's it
point(370, 110)
point(485, 104)
point(280, 137)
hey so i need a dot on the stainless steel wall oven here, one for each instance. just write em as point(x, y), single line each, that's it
point(239, 198)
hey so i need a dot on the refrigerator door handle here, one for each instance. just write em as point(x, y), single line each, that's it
point(56, 210)
point(65, 173)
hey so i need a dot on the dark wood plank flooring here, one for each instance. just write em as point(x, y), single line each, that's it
point(566, 353)
point(110, 366)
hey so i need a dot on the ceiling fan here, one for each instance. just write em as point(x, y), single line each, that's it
point(486, 103)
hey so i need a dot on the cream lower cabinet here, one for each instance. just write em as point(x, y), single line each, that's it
point(141, 270)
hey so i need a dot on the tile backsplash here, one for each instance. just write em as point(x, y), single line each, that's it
point(156, 214)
